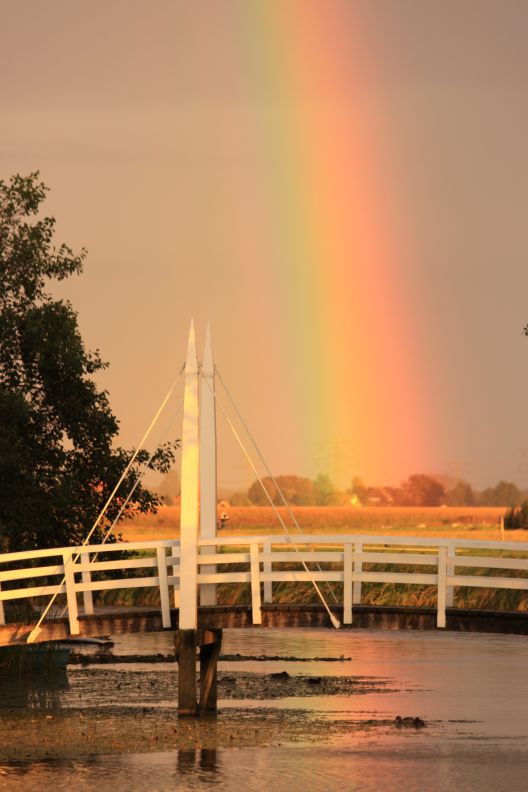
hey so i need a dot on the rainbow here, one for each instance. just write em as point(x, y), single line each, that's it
point(333, 231)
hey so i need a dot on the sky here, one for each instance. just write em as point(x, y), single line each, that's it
point(340, 188)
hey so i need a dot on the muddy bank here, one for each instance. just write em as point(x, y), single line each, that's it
point(101, 658)
point(78, 734)
point(103, 688)
point(122, 710)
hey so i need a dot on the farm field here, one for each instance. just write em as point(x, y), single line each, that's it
point(446, 522)
point(451, 521)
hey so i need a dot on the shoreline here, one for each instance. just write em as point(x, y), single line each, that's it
point(135, 711)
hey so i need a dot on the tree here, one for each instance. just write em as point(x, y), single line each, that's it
point(359, 490)
point(324, 490)
point(169, 488)
point(239, 499)
point(57, 460)
point(462, 494)
point(505, 493)
point(422, 490)
point(297, 491)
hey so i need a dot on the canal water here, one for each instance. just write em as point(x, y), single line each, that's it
point(470, 690)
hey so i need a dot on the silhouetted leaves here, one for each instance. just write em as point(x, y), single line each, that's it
point(57, 460)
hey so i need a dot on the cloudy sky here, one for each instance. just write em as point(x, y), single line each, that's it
point(340, 188)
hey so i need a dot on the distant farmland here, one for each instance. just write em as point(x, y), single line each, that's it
point(453, 521)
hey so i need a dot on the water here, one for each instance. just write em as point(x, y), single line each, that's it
point(286, 770)
point(470, 689)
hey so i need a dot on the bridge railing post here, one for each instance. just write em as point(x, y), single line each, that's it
point(348, 562)
point(71, 594)
point(161, 555)
point(2, 614)
point(255, 583)
point(358, 567)
point(441, 588)
point(175, 569)
point(87, 578)
point(451, 551)
point(268, 585)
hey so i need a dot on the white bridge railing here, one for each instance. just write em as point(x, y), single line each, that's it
point(266, 560)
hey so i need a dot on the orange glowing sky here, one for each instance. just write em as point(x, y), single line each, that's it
point(339, 187)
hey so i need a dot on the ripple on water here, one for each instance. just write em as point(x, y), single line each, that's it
point(429, 767)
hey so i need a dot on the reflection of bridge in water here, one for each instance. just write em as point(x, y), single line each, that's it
point(188, 572)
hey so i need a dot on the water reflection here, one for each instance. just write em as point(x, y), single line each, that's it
point(204, 759)
point(35, 692)
point(442, 677)
point(429, 768)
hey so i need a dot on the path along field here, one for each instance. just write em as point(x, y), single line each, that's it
point(460, 522)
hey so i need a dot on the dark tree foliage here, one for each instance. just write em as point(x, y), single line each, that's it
point(461, 494)
point(297, 491)
point(58, 464)
point(516, 518)
point(505, 493)
point(421, 490)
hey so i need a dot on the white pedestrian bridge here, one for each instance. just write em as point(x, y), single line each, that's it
point(327, 576)
point(340, 565)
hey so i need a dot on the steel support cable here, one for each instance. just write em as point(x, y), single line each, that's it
point(335, 622)
point(36, 630)
point(133, 488)
point(140, 475)
point(271, 476)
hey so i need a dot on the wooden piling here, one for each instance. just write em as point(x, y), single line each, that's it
point(209, 643)
point(186, 651)
point(208, 677)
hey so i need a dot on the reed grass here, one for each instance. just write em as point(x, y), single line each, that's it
point(396, 594)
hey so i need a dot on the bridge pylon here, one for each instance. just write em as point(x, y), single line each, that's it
point(197, 518)
point(189, 491)
point(208, 486)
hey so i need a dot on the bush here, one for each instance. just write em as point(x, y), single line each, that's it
point(516, 518)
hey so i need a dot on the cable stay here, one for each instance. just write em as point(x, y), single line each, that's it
point(271, 476)
point(138, 480)
point(37, 629)
point(335, 622)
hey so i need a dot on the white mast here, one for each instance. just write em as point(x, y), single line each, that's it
point(189, 492)
point(208, 486)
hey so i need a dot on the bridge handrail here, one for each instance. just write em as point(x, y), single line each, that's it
point(399, 541)
point(347, 552)
point(53, 552)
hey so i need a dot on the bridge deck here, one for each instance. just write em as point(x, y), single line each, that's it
point(108, 621)
point(347, 564)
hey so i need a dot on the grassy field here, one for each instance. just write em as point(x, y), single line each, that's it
point(455, 522)
point(444, 522)
point(451, 521)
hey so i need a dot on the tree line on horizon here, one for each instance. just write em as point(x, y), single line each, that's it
point(418, 489)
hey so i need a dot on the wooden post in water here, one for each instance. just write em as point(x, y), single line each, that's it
point(186, 653)
point(209, 653)
point(209, 643)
